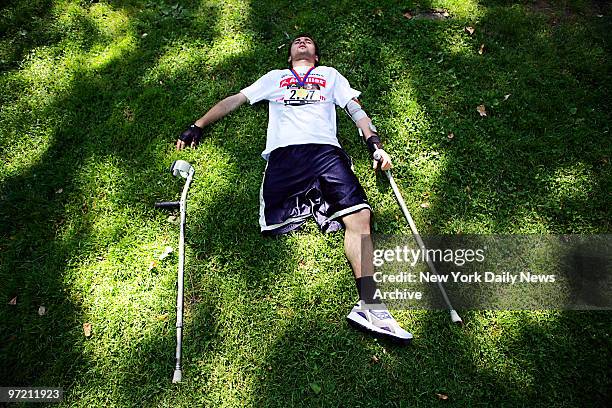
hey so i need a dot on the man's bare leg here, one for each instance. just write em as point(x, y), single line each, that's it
point(358, 245)
point(359, 251)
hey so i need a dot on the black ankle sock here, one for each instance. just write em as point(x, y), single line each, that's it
point(366, 287)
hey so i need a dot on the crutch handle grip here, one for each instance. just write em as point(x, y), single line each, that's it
point(168, 205)
point(377, 156)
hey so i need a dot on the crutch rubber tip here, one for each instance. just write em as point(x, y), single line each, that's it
point(177, 377)
point(455, 318)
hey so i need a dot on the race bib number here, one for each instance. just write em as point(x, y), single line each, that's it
point(301, 96)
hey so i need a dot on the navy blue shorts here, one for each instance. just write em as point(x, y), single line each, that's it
point(311, 180)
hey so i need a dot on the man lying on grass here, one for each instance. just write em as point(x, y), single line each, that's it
point(308, 174)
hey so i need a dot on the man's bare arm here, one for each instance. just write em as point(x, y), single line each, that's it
point(364, 123)
point(221, 109)
point(215, 113)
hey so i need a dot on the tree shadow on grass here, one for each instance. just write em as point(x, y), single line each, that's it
point(455, 363)
point(100, 143)
point(510, 165)
point(17, 21)
point(321, 362)
point(50, 226)
point(232, 268)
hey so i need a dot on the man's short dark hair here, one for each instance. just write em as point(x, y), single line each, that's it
point(317, 51)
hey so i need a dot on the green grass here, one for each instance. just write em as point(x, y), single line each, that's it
point(93, 95)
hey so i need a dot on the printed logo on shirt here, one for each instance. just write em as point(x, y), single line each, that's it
point(312, 79)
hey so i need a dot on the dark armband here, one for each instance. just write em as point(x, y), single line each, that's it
point(373, 143)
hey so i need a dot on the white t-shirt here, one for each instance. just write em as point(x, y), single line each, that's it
point(301, 115)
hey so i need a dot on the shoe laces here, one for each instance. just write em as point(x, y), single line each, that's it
point(381, 314)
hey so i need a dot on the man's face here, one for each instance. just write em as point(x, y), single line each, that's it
point(303, 48)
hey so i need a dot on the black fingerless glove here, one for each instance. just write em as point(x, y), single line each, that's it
point(192, 134)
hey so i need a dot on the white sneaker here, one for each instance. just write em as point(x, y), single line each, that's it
point(377, 320)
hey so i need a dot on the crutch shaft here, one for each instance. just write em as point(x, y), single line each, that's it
point(416, 234)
